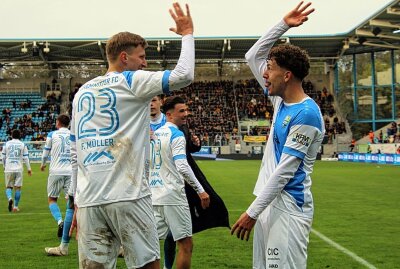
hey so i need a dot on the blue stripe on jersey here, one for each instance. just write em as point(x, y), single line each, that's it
point(294, 152)
point(179, 157)
point(50, 134)
point(295, 186)
point(46, 148)
point(72, 137)
point(175, 133)
point(165, 82)
point(156, 126)
point(129, 77)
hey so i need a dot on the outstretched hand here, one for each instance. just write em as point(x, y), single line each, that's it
point(297, 16)
point(184, 23)
point(243, 227)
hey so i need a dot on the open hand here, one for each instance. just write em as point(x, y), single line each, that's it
point(184, 23)
point(297, 16)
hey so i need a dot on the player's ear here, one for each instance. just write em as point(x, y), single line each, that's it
point(123, 57)
point(287, 76)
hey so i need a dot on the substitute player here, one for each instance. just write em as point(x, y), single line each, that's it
point(111, 149)
point(168, 173)
point(283, 210)
point(58, 146)
point(14, 152)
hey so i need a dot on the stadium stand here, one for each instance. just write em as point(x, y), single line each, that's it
point(33, 115)
point(218, 108)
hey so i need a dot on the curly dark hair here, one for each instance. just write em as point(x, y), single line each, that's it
point(291, 58)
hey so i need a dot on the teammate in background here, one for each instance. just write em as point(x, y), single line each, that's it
point(58, 145)
point(283, 210)
point(157, 119)
point(169, 170)
point(216, 215)
point(14, 152)
point(110, 150)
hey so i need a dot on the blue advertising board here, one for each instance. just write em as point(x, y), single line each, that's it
point(369, 158)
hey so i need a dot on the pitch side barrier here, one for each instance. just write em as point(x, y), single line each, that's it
point(393, 159)
point(217, 153)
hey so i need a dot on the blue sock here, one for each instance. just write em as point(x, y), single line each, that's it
point(55, 211)
point(67, 225)
point(17, 197)
point(8, 193)
point(169, 251)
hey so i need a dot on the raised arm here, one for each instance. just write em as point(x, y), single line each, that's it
point(258, 54)
point(183, 73)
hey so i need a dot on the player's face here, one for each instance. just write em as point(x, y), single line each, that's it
point(136, 59)
point(179, 114)
point(155, 106)
point(274, 77)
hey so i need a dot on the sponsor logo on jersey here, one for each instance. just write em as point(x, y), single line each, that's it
point(156, 183)
point(301, 139)
point(273, 251)
point(94, 156)
point(65, 160)
point(286, 120)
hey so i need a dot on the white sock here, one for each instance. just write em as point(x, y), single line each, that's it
point(64, 246)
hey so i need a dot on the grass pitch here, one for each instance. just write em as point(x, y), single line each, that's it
point(356, 206)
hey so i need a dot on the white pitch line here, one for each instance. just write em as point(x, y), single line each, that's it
point(343, 249)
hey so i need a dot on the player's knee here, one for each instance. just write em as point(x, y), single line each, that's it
point(186, 245)
point(52, 200)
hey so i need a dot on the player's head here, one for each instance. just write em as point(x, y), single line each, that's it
point(62, 121)
point(127, 50)
point(16, 134)
point(176, 110)
point(286, 64)
point(155, 105)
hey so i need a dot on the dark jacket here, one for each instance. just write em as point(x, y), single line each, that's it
point(216, 215)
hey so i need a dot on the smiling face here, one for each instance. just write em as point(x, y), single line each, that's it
point(178, 115)
point(275, 78)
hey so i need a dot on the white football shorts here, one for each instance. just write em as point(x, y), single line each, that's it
point(280, 240)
